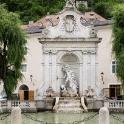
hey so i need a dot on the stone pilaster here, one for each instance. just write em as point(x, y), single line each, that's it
point(93, 69)
point(50, 67)
point(85, 67)
point(81, 87)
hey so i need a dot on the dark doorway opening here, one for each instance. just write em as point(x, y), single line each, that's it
point(114, 91)
point(24, 92)
point(26, 95)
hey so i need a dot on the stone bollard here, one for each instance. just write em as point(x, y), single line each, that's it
point(104, 116)
point(16, 116)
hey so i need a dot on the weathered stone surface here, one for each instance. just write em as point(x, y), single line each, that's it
point(70, 104)
point(16, 116)
point(94, 104)
point(104, 116)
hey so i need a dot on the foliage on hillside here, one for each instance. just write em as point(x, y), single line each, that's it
point(33, 9)
point(105, 7)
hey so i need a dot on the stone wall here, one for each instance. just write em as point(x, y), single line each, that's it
point(47, 104)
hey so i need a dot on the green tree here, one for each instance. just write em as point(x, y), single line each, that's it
point(82, 8)
point(33, 9)
point(118, 42)
point(12, 49)
point(103, 8)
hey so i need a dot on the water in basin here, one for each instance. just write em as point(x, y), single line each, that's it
point(61, 118)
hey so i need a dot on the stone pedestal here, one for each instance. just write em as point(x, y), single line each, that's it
point(104, 116)
point(16, 116)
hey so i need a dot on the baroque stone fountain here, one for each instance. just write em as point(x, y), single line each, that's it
point(69, 100)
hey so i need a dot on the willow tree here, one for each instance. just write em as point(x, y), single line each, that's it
point(118, 42)
point(12, 49)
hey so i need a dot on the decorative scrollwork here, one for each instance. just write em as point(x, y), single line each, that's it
point(50, 51)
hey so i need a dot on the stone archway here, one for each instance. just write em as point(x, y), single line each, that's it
point(72, 61)
point(23, 92)
point(23, 87)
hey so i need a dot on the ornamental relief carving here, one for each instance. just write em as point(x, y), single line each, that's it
point(45, 33)
point(69, 51)
point(69, 23)
point(88, 51)
point(50, 51)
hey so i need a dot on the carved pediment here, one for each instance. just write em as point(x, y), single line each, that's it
point(72, 24)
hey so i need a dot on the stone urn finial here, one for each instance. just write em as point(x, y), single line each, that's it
point(70, 4)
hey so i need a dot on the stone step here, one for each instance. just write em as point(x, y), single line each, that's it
point(70, 108)
point(70, 105)
point(69, 101)
point(69, 98)
point(66, 102)
point(77, 110)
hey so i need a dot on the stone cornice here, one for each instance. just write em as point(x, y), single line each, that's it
point(71, 51)
point(50, 52)
point(89, 51)
point(43, 40)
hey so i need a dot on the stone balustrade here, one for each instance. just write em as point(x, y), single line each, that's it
point(7, 105)
point(114, 104)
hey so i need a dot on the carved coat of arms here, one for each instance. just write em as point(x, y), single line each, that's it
point(69, 23)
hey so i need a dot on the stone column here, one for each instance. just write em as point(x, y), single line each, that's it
point(81, 80)
point(54, 71)
point(16, 116)
point(42, 76)
point(104, 116)
point(50, 68)
point(47, 69)
point(89, 69)
point(93, 70)
point(58, 76)
point(84, 74)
